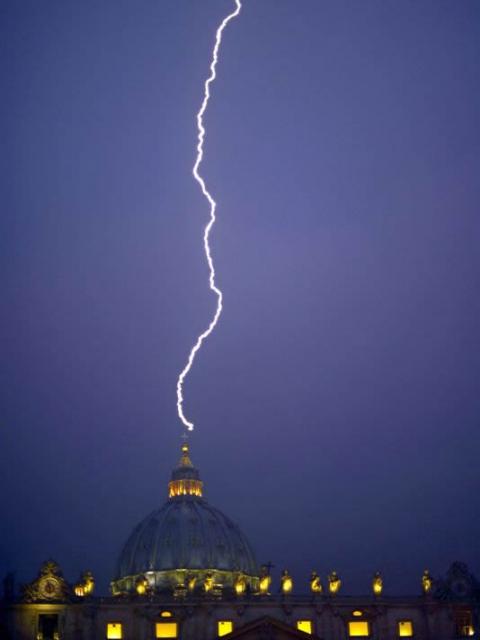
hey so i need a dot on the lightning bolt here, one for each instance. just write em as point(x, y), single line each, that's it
point(213, 205)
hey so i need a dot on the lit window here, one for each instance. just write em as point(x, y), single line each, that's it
point(305, 626)
point(166, 614)
point(114, 631)
point(224, 627)
point(405, 629)
point(166, 630)
point(358, 628)
point(463, 623)
point(357, 613)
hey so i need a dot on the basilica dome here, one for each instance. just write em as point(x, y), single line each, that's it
point(185, 542)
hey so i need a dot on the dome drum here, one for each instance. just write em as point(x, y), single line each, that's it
point(192, 583)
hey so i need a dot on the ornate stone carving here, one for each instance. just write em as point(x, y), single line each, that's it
point(48, 586)
point(459, 584)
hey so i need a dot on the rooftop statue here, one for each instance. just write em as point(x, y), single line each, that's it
point(265, 580)
point(377, 584)
point(334, 583)
point(426, 582)
point(315, 583)
point(286, 582)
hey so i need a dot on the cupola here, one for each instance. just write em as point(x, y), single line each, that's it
point(185, 480)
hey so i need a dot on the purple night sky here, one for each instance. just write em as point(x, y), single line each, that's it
point(337, 405)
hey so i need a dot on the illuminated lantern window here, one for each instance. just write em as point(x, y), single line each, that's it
point(224, 627)
point(305, 626)
point(358, 629)
point(166, 630)
point(405, 629)
point(114, 631)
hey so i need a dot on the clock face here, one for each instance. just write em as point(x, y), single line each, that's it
point(49, 588)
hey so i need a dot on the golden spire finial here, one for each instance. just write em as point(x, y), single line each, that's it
point(185, 459)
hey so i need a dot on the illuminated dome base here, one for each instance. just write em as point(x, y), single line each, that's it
point(187, 546)
point(191, 582)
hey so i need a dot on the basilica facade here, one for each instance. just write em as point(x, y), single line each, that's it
point(188, 572)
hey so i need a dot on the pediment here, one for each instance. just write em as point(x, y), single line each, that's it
point(268, 628)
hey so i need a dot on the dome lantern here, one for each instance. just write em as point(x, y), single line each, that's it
point(185, 479)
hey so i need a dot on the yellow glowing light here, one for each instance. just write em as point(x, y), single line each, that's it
point(88, 582)
point(141, 586)
point(287, 585)
point(334, 583)
point(114, 631)
point(166, 614)
point(357, 613)
point(315, 583)
point(463, 622)
point(166, 630)
point(79, 590)
point(287, 582)
point(405, 629)
point(427, 582)
point(240, 585)
point(264, 584)
point(377, 584)
point(208, 583)
point(305, 626)
point(358, 629)
point(185, 488)
point(224, 627)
